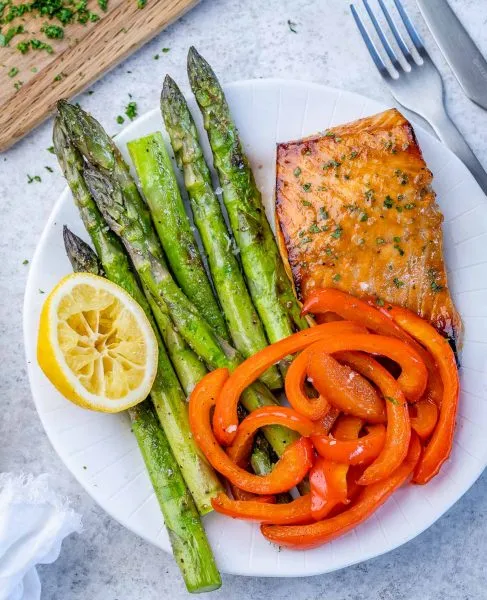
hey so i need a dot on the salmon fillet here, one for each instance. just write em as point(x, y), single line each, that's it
point(356, 211)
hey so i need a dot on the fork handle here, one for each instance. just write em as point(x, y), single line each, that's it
point(449, 134)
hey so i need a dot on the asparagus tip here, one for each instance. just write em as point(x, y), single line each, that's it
point(81, 256)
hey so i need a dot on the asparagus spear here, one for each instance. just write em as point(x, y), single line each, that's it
point(186, 533)
point(243, 321)
point(167, 395)
point(161, 191)
point(155, 276)
point(269, 285)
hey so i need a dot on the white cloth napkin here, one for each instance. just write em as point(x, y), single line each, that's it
point(34, 520)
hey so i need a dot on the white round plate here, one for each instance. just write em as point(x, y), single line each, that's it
point(102, 453)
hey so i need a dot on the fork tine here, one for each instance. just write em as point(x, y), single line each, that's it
point(369, 44)
point(382, 37)
point(413, 34)
point(395, 32)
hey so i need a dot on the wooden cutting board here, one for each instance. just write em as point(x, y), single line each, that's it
point(85, 53)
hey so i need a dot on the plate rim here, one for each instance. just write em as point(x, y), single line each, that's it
point(29, 324)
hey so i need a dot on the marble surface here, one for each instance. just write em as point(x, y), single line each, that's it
point(242, 39)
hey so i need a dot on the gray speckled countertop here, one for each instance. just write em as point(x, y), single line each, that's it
point(242, 39)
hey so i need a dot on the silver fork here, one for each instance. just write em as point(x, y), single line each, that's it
point(419, 86)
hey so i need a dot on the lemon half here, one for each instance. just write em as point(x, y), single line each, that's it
point(96, 344)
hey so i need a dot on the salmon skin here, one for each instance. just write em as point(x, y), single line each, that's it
point(357, 212)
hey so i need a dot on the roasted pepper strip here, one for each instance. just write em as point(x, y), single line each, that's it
point(398, 427)
point(225, 420)
point(440, 444)
point(348, 427)
point(313, 408)
point(297, 511)
point(349, 307)
point(345, 389)
point(369, 500)
point(244, 496)
point(291, 468)
point(360, 451)
point(423, 416)
point(328, 485)
point(267, 415)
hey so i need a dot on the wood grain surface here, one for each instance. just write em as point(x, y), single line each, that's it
point(86, 52)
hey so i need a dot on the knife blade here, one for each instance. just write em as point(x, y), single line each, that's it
point(460, 51)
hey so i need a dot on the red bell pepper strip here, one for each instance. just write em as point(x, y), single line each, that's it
point(398, 427)
point(313, 408)
point(369, 500)
point(329, 420)
point(440, 444)
point(345, 389)
point(297, 511)
point(379, 321)
point(328, 487)
point(267, 415)
point(423, 416)
point(244, 496)
point(290, 469)
point(225, 419)
point(360, 451)
point(413, 377)
point(348, 427)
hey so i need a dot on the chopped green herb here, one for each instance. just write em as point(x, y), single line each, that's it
point(59, 76)
point(41, 291)
point(337, 234)
point(323, 213)
point(379, 241)
point(399, 249)
point(49, 169)
point(141, 3)
point(131, 110)
point(436, 287)
point(363, 217)
point(292, 26)
point(166, 50)
point(38, 45)
point(397, 282)
point(23, 47)
point(305, 203)
point(297, 172)
point(13, 72)
point(397, 239)
point(306, 187)
point(336, 277)
point(51, 149)
point(393, 400)
point(120, 119)
point(332, 164)
point(34, 70)
point(32, 178)
point(25, 262)
point(302, 233)
point(410, 206)
point(156, 56)
point(53, 32)
point(314, 228)
point(388, 202)
point(306, 240)
point(379, 302)
point(369, 195)
point(353, 154)
point(103, 4)
point(18, 85)
point(400, 197)
point(398, 208)
point(13, 31)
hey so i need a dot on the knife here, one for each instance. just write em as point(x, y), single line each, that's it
point(463, 56)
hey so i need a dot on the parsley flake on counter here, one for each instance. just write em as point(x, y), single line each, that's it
point(53, 32)
point(32, 178)
point(13, 72)
point(166, 50)
point(51, 149)
point(50, 169)
point(131, 110)
point(120, 119)
point(292, 26)
point(103, 4)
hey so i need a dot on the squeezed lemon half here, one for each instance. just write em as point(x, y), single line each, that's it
point(96, 345)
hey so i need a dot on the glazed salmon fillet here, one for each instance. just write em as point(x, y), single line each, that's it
point(356, 212)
